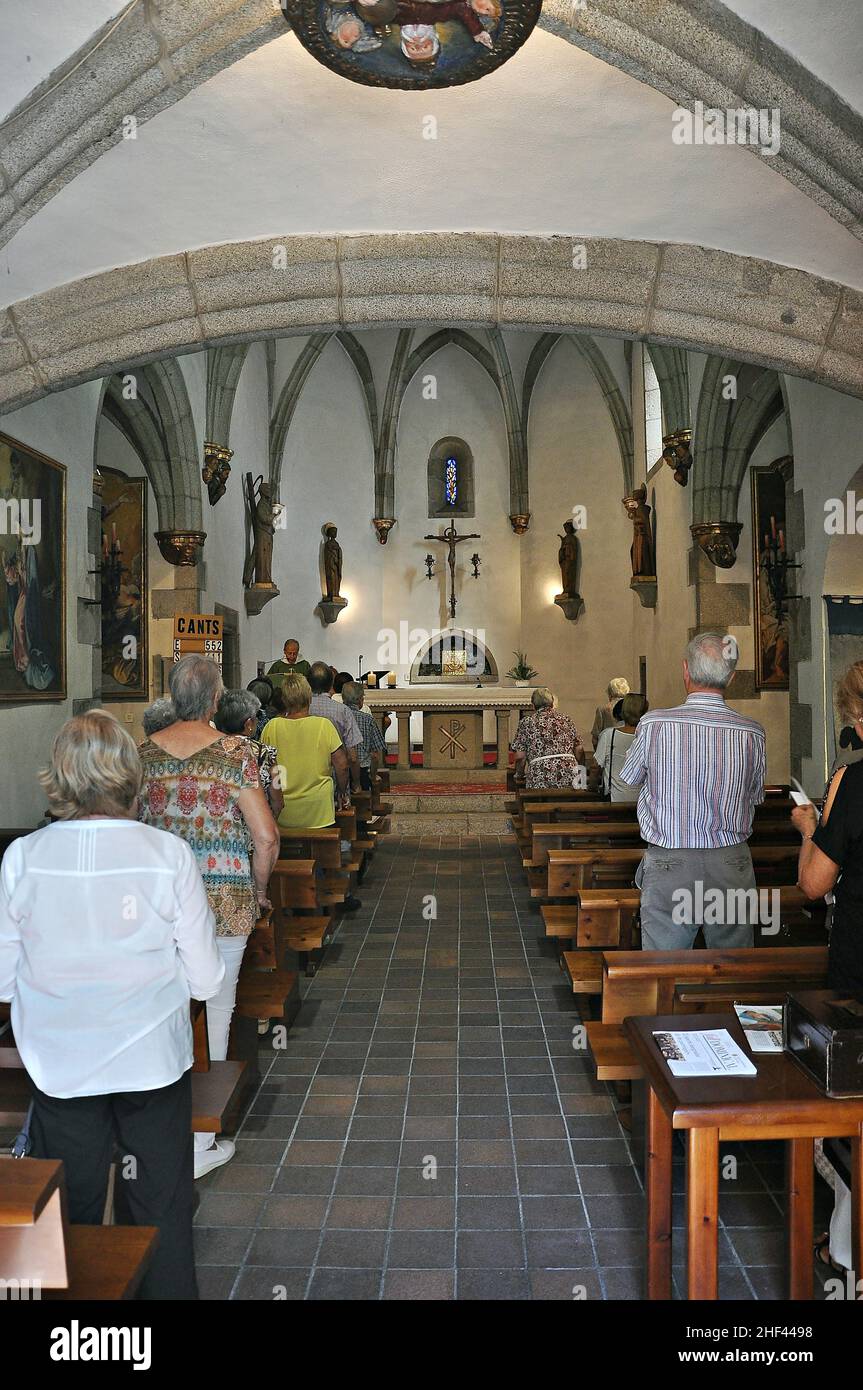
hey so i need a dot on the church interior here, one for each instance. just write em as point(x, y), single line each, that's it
point(477, 355)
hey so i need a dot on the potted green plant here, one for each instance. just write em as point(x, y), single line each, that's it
point(521, 670)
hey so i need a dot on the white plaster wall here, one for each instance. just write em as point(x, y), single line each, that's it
point(574, 460)
point(63, 428)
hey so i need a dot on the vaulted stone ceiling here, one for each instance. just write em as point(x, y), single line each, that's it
point(571, 138)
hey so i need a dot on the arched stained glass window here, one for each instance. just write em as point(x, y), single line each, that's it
point(450, 478)
point(451, 482)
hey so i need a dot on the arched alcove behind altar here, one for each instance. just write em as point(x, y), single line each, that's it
point(454, 657)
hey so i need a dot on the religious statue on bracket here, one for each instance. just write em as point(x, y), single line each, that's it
point(569, 600)
point(216, 470)
point(677, 453)
point(258, 570)
point(641, 553)
point(332, 603)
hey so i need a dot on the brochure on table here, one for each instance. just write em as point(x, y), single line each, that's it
point(711, 1053)
point(762, 1024)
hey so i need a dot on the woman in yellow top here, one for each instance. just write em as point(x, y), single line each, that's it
point(309, 753)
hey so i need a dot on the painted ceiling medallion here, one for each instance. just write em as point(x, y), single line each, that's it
point(412, 44)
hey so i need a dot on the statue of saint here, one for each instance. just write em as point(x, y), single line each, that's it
point(259, 566)
point(332, 562)
point(567, 558)
point(641, 552)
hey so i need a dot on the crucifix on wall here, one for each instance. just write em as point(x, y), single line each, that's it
point(451, 539)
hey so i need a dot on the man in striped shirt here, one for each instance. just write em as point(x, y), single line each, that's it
point(700, 767)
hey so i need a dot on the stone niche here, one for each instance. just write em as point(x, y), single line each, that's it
point(454, 656)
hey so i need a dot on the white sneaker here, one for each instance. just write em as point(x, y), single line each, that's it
point(223, 1151)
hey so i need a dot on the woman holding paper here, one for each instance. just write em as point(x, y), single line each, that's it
point(831, 860)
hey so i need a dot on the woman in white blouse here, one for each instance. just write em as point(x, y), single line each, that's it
point(105, 936)
point(613, 745)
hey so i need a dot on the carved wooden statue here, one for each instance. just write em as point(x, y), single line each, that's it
point(332, 562)
point(567, 558)
point(641, 552)
point(259, 565)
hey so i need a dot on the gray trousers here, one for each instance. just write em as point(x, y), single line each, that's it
point(684, 889)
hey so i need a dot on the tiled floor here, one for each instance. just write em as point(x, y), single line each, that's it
point(429, 1132)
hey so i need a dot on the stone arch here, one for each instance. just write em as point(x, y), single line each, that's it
point(788, 320)
point(151, 57)
point(672, 372)
point(617, 408)
point(157, 422)
point(481, 665)
point(727, 432)
point(224, 365)
point(290, 394)
point(495, 362)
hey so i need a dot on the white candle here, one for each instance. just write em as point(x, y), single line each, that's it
point(391, 678)
point(372, 680)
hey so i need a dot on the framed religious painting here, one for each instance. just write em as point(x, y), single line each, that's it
point(123, 563)
point(771, 562)
point(32, 575)
point(412, 44)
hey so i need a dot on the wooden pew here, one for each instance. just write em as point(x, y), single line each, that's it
point(303, 893)
point(569, 870)
point(264, 991)
point(38, 1246)
point(218, 1088)
point(639, 983)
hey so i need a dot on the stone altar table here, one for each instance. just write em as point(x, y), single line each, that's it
point(452, 718)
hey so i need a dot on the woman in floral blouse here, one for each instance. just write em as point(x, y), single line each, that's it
point(547, 742)
point(194, 780)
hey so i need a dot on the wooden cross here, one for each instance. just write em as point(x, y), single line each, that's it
point(451, 538)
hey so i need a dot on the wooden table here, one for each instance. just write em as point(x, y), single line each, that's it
point(779, 1103)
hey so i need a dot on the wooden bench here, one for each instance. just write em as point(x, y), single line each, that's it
point(218, 1088)
point(570, 870)
point(644, 983)
point(41, 1252)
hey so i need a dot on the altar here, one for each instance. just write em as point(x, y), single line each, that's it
point(452, 721)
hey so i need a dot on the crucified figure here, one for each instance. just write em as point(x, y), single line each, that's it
point(451, 538)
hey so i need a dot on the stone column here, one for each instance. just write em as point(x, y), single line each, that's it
point(404, 722)
point(502, 717)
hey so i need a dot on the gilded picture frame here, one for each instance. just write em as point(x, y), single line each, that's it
point(32, 575)
point(769, 541)
point(123, 561)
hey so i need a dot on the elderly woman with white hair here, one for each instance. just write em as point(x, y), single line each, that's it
point(607, 716)
point(105, 935)
point(195, 779)
point(547, 746)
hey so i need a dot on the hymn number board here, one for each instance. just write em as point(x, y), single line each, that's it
point(198, 633)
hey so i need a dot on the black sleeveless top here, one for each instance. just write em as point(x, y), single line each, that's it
point(841, 839)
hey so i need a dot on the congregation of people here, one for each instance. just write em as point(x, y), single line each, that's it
point(161, 856)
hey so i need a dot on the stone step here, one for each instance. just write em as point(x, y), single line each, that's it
point(451, 823)
point(443, 803)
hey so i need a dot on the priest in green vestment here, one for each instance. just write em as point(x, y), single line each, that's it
point(291, 666)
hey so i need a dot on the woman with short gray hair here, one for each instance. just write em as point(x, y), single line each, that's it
point(548, 750)
point(238, 713)
point(100, 1005)
point(199, 784)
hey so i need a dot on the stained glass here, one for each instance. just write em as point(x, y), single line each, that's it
point(451, 482)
